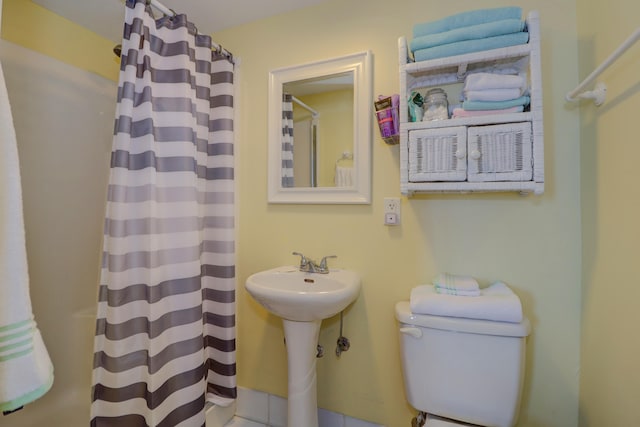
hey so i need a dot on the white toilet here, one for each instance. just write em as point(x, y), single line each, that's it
point(459, 371)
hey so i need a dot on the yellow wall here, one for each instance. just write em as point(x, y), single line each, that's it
point(32, 26)
point(609, 390)
point(533, 243)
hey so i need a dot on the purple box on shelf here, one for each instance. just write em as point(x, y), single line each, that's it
point(387, 117)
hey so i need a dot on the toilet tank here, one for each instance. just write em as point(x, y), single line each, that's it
point(464, 369)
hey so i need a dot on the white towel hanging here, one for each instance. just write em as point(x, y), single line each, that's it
point(26, 372)
point(344, 174)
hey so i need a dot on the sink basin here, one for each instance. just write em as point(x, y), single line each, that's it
point(304, 297)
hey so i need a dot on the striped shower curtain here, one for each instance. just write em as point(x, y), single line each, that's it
point(287, 141)
point(165, 334)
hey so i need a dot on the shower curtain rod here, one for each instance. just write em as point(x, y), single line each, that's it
point(600, 91)
point(170, 12)
point(305, 106)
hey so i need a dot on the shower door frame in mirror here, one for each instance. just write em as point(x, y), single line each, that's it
point(359, 65)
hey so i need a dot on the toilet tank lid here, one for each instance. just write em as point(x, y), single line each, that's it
point(459, 324)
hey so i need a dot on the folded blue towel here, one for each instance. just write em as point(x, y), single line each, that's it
point(480, 31)
point(464, 19)
point(495, 105)
point(469, 46)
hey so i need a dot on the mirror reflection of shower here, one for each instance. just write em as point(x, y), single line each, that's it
point(323, 129)
point(305, 154)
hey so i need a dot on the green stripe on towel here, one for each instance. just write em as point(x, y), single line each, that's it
point(6, 348)
point(16, 355)
point(26, 332)
point(14, 325)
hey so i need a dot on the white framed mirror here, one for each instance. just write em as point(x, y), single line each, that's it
point(320, 131)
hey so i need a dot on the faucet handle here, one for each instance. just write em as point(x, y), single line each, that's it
point(303, 259)
point(323, 263)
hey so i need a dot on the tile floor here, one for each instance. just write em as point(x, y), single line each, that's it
point(259, 409)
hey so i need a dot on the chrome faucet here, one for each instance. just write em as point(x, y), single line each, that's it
point(309, 266)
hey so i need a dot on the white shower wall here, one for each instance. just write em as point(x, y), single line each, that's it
point(64, 124)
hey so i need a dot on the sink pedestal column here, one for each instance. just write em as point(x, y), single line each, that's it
point(302, 341)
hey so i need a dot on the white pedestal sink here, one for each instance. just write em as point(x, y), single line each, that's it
point(302, 300)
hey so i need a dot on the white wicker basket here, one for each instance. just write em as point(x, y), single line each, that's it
point(438, 154)
point(474, 153)
point(500, 153)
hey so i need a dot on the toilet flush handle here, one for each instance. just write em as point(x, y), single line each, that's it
point(414, 332)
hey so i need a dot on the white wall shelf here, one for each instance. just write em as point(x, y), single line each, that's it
point(449, 73)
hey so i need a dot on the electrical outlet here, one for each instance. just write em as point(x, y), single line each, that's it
point(392, 204)
point(390, 219)
point(391, 210)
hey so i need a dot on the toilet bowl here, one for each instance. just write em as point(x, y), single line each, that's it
point(462, 370)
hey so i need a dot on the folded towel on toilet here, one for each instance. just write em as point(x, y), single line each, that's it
point(456, 282)
point(497, 302)
point(455, 292)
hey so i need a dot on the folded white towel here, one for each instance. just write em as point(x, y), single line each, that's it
point(456, 282)
point(493, 94)
point(460, 293)
point(496, 302)
point(484, 81)
point(26, 372)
